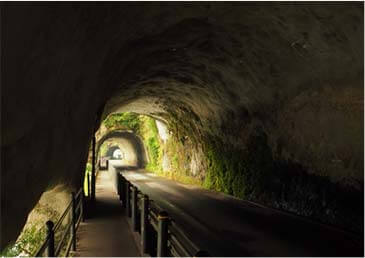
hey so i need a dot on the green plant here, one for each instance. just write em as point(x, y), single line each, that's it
point(242, 173)
point(87, 174)
point(127, 120)
point(103, 149)
point(29, 240)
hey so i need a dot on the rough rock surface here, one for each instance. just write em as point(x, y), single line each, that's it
point(293, 70)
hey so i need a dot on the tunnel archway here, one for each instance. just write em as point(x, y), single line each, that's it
point(218, 73)
point(136, 145)
point(111, 150)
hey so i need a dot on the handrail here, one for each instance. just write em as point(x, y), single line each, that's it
point(78, 193)
point(59, 222)
point(153, 220)
point(42, 248)
point(58, 249)
point(178, 230)
point(173, 251)
point(78, 222)
point(69, 244)
point(176, 242)
point(78, 206)
point(76, 211)
point(171, 237)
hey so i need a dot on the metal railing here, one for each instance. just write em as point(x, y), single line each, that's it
point(61, 238)
point(160, 235)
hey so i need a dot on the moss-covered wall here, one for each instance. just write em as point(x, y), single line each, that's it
point(252, 171)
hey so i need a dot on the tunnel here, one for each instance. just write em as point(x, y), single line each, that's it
point(112, 150)
point(130, 145)
point(264, 101)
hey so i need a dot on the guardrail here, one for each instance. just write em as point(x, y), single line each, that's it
point(160, 235)
point(56, 243)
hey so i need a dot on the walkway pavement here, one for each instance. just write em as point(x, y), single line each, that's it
point(106, 233)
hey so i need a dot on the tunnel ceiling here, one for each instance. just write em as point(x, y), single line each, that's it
point(294, 70)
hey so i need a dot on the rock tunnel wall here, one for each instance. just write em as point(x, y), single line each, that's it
point(277, 86)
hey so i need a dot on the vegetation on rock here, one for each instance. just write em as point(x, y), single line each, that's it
point(127, 120)
point(249, 172)
point(34, 232)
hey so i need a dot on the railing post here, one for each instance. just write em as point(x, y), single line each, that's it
point(73, 222)
point(162, 234)
point(134, 208)
point(127, 203)
point(50, 236)
point(144, 224)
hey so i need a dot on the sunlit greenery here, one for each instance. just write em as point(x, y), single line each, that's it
point(143, 126)
point(127, 120)
point(103, 149)
point(34, 233)
point(152, 141)
point(87, 174)
point(174, 148)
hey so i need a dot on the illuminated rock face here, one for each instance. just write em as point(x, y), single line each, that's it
point(293, 72)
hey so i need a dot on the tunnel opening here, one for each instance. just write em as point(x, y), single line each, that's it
point(114, 152)
point(117, 154)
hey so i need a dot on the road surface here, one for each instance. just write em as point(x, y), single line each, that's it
point(226, 226)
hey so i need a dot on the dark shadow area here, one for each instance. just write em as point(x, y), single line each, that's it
point(102, 208)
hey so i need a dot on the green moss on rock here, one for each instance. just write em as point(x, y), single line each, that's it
point(249, 172)
point(253, 174)
point(127, 120)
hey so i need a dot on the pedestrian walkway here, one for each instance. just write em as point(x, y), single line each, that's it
point(106, 233)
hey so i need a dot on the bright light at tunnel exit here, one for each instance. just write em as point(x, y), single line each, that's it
point(117, 154)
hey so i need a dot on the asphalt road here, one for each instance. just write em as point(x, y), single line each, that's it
point(226, 226)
